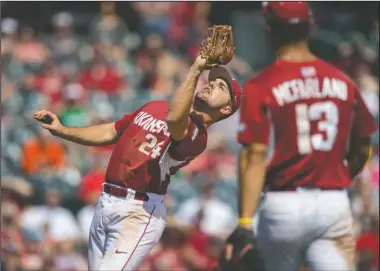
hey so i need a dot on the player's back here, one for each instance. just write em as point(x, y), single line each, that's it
point(309, 107)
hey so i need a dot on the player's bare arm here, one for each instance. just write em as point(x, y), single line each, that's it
point(242, 163)
point(217, 49)
point(251, 179)
point(96, 135)
point(305, 176)
point(180, 105)
point(241, 247)
point(359, 154)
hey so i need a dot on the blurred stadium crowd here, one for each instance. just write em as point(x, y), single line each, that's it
point(49, 187)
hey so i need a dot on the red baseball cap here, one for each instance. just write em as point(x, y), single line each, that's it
point(290, 12)
point(233, 86)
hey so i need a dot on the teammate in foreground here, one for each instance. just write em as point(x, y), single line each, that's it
point(151, 145)
point(315, 112)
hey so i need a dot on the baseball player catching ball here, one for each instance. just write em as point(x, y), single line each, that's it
point(152, 144)
point(321, 132)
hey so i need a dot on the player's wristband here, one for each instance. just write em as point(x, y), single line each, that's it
point(369, 156)
point(245, 221)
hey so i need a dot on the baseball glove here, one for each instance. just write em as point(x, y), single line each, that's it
point(245, 255)
point(218, 48)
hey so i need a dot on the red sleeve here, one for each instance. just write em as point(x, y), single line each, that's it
point(254, 123)
point(363, 124)
point(123, 123)
point(192, 145)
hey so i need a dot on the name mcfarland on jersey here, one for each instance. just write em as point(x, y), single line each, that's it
point(302, 89)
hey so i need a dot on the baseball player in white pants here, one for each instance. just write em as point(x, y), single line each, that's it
point(124, 230)
point(321, 136)
point(152, 144)
point(306, 226)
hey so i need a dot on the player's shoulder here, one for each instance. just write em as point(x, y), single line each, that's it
point(334, 71)
point(156, 104)
point(258, 82)
point(265, 77)
point(262, 76)
point(155, 107)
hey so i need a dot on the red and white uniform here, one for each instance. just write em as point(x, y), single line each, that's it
point(124, 230)
point(145, 155)
point(312, 109)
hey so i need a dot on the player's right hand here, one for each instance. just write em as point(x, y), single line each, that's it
point(50, 121)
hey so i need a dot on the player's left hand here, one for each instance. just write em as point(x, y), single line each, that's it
point(50, 121)
point(200, 63)
point(241, 252)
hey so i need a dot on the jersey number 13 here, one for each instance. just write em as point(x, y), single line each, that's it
point(328, 126)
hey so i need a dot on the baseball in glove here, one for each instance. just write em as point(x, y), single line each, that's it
point(218, 48)
point(241, 253)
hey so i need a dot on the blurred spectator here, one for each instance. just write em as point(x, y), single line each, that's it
point(42, 154)
point(91, 185)
point(58, 222)
point(49, 81)
point(7, 87)
point(100, 76)
point(160, 68)
point(369, 87)
point(202, 251)
point(30, 50)
point(111, 34)
point(374, 46)
point(363, 205)
point(14, 191)
point(168, 255)
point(367, 246)
point(154, 17)
point(9, 27)
point(198, 27)
point(74, 111)
point(64, 44)
point(347, 58)
point(218, 160)
point(206, 209)
point(68, 258)
point(109, 28)
point(181, 17)
point(32, 259)
point(228, 127)
point(90, 190)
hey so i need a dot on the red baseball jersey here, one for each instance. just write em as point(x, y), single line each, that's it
point(311, 108)
point(145, 156)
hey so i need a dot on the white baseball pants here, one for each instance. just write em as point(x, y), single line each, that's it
point(123, 231)
point(307, 226)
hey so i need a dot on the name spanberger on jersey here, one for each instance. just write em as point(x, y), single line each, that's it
point(302, 89)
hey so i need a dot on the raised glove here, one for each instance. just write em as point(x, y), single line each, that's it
point(245, 255)
point(218, 48)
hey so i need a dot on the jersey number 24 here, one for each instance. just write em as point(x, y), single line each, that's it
point(328, 126)
point(150, 147)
